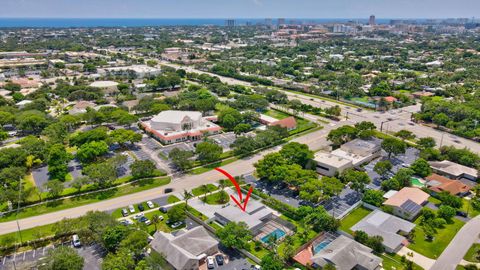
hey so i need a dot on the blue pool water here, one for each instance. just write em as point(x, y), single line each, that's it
point(278, 233)
point(320, 246)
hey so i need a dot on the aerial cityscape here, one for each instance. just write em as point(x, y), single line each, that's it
point(255, 134)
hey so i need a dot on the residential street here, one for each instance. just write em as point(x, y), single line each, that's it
point(459, 246)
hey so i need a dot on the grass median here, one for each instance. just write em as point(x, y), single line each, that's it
point(94, 197)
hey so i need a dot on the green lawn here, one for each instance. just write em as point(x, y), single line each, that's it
point(217, 198)
point(88, 199)
point(473, 254)
point(26, 235)
point(199, 190)
point(467, 208)
point(172, 199)
point(394, 262)
point(212, 166)
point(353, 218)
point(276, 114)
point(433, 249)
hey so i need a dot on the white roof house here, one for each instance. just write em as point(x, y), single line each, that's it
point(254, 216)
point(454, 170)
point(185, 249)
point(346, 254)
point(387, 226)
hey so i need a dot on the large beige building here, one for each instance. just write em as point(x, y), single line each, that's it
point(178, 126)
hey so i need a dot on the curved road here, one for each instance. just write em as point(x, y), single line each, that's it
point(458, 247)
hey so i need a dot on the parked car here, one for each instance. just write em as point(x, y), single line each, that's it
point(139, 216)
point(145, 220)
point(131, 208)
point(76, 241)
point(124, 212)
point(150, 204)
point(219, 259)
point(168, 190)
point(160, 218)
point(462, 214)
point(163, 209)
point(126, 222)
point(177, 224)
point(140, 207)
point(210, 262)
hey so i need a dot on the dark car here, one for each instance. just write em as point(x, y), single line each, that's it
point(124, 212)
point(163, 209)
point(140, 207)
point(168, 190)
point(462, 214)
point(219, 259)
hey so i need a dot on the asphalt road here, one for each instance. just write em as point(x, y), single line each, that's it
point(315, 140)
point(394, 120)
point(459, 246)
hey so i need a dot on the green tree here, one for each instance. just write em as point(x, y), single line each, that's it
point(135, 242)
point(58, 159)
point(271, 261)
point(320, 220)
point(142, 169)
point(62, 258)
point(405, 134)
point(122, 260)
point(123, 136)
point(208, 152)
point(177, 213)
point(382, 167)
point(181, 158)
point(358, 180)
point(426, 142)
point(242, 128)
point(373, 197)
point(297, 153)
point(235, 235)
point(342, 135)
point(421, 167)
point(90, 151)
point(54, 188)
point(112, 237)
point(266, 166)
point(441, 119)
point(244, 145)
point(393, 146)
point(446, 212)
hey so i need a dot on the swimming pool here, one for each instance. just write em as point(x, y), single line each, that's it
point(278, 234)
point(417, 182)
point(317, 248)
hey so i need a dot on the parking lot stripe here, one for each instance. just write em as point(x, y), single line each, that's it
point(24, 254)
point(43, 251)
point(34, 253)
point(4, 260)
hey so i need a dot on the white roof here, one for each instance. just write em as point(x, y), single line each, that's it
point(175, 116)
point(102, 84)
point(389, 194)
point(24, 102)
point(332, 160)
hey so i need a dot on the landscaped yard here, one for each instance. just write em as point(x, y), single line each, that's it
point(172, 199)
point(27, 235)
point(88, 198)
point(442, 238)
point(473, 254)
point(200, 190)
point(217, 198)
point(353, 218)
point(394, 262)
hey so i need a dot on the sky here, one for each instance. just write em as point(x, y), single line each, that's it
point(239, 8)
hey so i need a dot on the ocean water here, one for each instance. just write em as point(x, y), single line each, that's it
point(72, 22)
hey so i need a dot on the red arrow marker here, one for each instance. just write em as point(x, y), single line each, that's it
point(239, 191)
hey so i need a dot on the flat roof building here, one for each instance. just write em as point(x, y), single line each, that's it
point(388, 227)
point(454, 170)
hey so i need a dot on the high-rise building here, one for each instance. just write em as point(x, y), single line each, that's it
point(371, 21)
point(230, 23)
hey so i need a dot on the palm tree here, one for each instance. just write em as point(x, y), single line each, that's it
point(187, 196)
point(222, 184)
point(205, 191)
point(155, 221)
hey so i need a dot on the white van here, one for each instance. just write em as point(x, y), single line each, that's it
point(76, 241)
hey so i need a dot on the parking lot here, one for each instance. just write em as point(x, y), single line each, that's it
point(30, 259)
point(224, 140)
point(40, 175)
point(233, 261)
point(182, 146)
point(342, 205)
point(279, 192)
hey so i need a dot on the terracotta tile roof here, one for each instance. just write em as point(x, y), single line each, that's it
point(438, 183)
point(416, 195)
point(289, 123)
